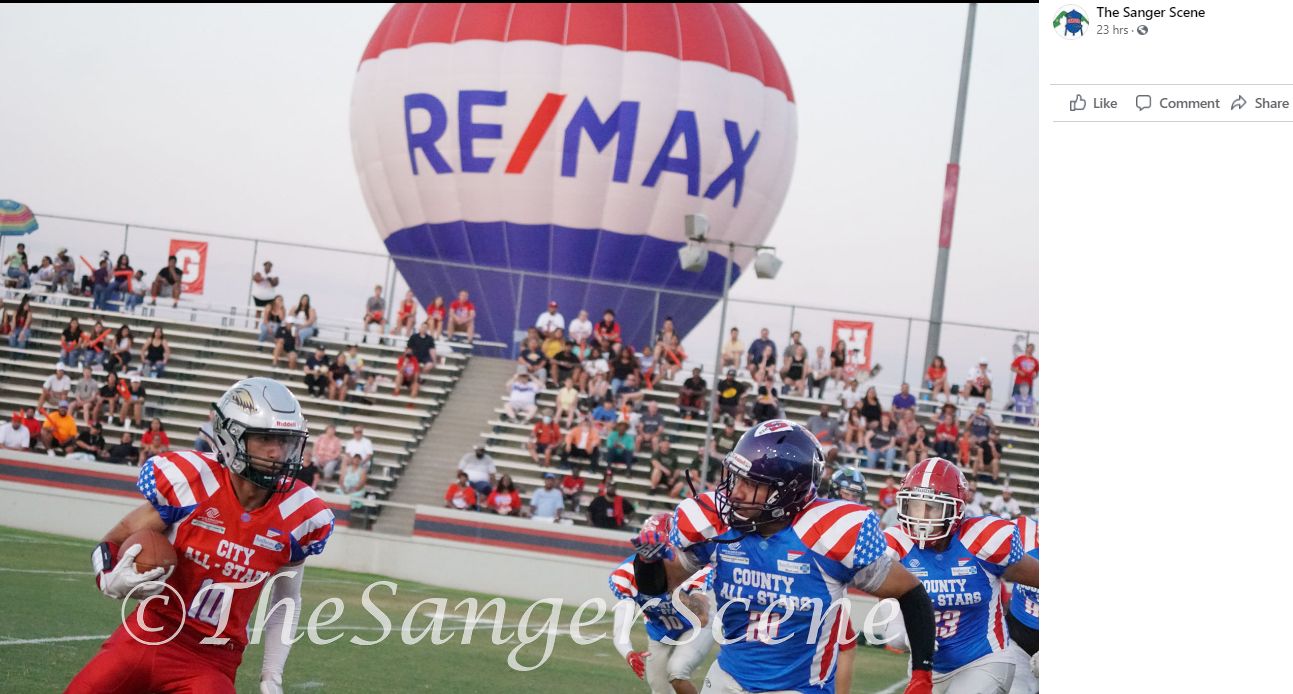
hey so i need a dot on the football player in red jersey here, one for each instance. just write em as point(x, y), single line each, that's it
point(239, 520)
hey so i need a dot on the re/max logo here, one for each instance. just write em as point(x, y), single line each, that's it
point(619, 126)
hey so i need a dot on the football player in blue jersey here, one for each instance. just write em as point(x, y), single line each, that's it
point(962, 562)
point(782, 560)
point(1024, 618)
point(677, 639)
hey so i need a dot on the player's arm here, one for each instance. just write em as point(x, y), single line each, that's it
point(116, 576)
point(882, 576)
point(145, 517)
point(1025, 571)
point(280, 625)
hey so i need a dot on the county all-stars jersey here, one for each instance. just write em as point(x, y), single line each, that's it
point(662, 619)
point(217, 542)
point(775, 594)
point(964, 584)
point(1025, 601)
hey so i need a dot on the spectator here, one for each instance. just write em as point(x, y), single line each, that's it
point(904, 401)
point(272, 319)
point(462, 317)
point(101, 286)
point(888, 496)
point(480, 469)
point(583, 442)
point(825, 427)
point(85, 394)
point(202, 442)
point(111, 357)
point(157, 353)
point(306, 319)
point(58, 434)
point(56, 387)
point(1023, 403)
point(855, 429)
point(731, 396)
point(984, 449)
point(125, 452)
point(755, 353)
point(604, 415)
point(850, 395)
point(664, 468)
point(871, 408)
point(1025, 368)
point(135, 293)
point(765, 365)
point(907, 426)
point(544, 439)
point(94, 352)
point(353, 481)
point(607, 331)
point(549, 322)
point(566, 365)
point(630, 394)
point(979, 385)
point(16, 267)
point(132, 397)
point(819, 373)
point(839, 358)
point(64, 271)
point(123, 275)
point(882, 440)
point(338, 378)
point(620, 445)
point(264, 286)
point(359, 372)
point(794, 375)
point(977, 503)
point(946, 436)
point(375, 313)
point(522, 398)
point(567, 402)
point(125, 346)
point(407, 316)
point(309, 472)
point(435, 317)
point(460, 494)
point(624, 365)
point(407, 373)
point(13, 435)
point(361, 446)
point(597, 372)
point(285, 343)
point(504, 500)
point(719, 446)
point(546, 503)
point(168, 282)
point(154, 441)
point(327, 452)
point(423, 345)
point(918, 446)
point(733, 350)
point(45, 273)
point(651, 427)
point(316, 372)
point(671, 357)
point(580, 328)
point(572, 485)
point(691, 396)
point(532, 361)
point(766, 404)
point(1006, 506)
point(20, 331)
point(610, 510)
point(70, 343)
point(109, 394)
point(795, 341)
point(936, 380)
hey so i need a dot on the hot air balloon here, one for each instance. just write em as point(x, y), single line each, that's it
point(537, 152)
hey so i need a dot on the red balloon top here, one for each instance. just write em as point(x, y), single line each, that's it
point(721, 34)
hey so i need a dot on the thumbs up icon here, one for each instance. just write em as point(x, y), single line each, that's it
point(1077, 104)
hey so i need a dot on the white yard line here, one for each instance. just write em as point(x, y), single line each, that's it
point(53, 639)
point(45, 571)
point(895, 687)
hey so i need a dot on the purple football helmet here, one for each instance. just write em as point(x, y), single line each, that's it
point(780, 454)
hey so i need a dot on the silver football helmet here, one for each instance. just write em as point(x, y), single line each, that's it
point(260, 407)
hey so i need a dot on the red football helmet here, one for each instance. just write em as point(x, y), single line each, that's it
point(932, 500)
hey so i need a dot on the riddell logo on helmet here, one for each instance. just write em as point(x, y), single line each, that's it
point(287, 424)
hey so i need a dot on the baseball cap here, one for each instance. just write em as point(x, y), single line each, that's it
point(63, 404)
point(59, 366)
point(552, 304)
point(136, 379)
point(549, 476)
point(983, 360)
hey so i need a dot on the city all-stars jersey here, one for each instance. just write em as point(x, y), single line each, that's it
point(662, 619)
point(1025, 601)
point(777, 595)
point(964, 583)
point(225, 554)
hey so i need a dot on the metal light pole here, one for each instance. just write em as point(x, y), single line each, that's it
point(718, 367)
point(949, 197)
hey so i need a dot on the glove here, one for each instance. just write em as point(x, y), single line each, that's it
point(1033, 664)
point(637, 661)
point(271, 683)
point(652, 546)
point(123, 578)
point(922, 682)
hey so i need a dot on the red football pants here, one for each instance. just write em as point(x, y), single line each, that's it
point(124, 665)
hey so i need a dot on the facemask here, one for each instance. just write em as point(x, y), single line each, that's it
point(547, 420)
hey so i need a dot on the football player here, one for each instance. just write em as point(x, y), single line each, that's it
point(238, 519)
point(667, 668)
point(1024, 618)
point(782, 560)
point(847, 484)
point(962, 562)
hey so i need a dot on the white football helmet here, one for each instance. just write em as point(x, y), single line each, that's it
point(259, 406)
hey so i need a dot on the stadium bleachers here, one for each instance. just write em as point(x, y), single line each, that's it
point(206, 359)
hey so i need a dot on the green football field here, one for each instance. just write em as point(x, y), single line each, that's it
point(52, 620)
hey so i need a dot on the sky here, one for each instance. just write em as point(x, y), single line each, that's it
point(235, 120)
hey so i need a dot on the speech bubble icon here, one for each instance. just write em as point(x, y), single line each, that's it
point(1143, 102)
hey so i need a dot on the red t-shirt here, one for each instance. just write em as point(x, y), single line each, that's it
point(946, 431)
point(407, 365)
point(461, 308)
point(149, 437)
point(888, 497)
point(933, 374)
point(1028, 365)
point(407, 308)
point(433, 310)
point(547, 434)
point(572, 485)
point(611, 334)
point(460, 497)
point(504, 503)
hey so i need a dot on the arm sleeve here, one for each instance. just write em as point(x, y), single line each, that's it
point(624, 611)
point(918, 618)
point(280, 626)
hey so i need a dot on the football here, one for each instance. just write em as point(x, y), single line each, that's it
point(157, 550)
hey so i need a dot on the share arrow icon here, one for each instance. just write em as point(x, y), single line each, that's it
point(1238, 103)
